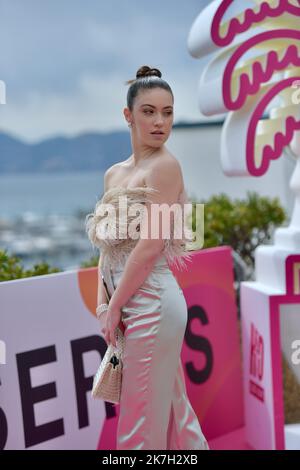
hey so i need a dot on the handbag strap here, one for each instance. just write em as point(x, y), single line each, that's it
point(106, 289)
point(120, 335)
point(107, 271)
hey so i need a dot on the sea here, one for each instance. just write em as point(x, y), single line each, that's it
point(42, 217)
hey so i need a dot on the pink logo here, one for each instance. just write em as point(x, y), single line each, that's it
point(265, 10)
point(273, 63)
point(256, 363)
point(280, 139)
point(261, 74)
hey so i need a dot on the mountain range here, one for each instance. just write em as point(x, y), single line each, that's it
point(84, 152)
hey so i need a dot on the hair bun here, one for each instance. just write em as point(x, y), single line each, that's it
point(146, 71)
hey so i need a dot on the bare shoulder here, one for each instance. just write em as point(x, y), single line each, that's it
point(166, 167)
point(165, 175)
point(111, 172)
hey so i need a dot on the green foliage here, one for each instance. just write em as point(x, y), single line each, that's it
point(10, 268)
point(92, 262)
point(243, 224)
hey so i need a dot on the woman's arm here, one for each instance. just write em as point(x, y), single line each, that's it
point(166, 178)
point(101, 295)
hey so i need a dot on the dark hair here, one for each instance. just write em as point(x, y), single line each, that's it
point(146, 78)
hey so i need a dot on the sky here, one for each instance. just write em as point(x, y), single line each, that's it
point(64, 62)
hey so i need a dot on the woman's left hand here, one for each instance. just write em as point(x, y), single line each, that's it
point(113, 320)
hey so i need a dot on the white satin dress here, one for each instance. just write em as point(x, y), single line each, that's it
point(155, 411)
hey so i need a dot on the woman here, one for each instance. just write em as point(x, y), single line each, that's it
point(155, 412)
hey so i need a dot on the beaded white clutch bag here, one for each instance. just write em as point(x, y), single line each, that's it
point(107, 381)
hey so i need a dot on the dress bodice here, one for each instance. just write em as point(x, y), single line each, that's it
point(108, 227)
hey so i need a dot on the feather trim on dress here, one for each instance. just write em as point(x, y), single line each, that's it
point(109, 227)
